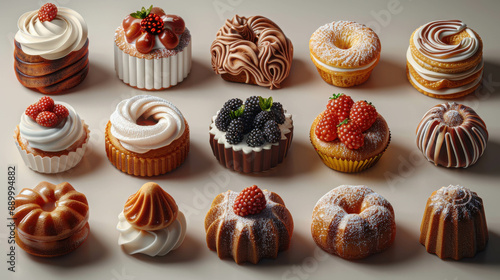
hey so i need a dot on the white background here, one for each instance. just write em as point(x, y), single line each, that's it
point(301, 180)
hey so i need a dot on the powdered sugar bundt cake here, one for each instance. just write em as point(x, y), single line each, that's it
point(353, 222)
point(51, 220)
point(248, 233)
point(452, 135)
point(454, 224)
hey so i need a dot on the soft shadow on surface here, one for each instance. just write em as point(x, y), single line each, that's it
point(95, 78)
point(488, 163)
point(196, 164)
point(188, 251)
point(300, 73)
point(386, 74)
point(490, 255)
point(404, 248)
point(90, 252)
point(200, 72)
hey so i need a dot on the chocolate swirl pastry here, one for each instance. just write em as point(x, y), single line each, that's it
point(252, 50)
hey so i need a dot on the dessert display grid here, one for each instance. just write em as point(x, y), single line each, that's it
point(402, 176)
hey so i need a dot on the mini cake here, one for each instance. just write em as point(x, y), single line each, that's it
point(146, 136)
point(344, 52)
point(151, 222)
point(349, 136)
point(452, 135)
point(353, 222)
point(51, 49)
point(51, 137)
point(152, 49)
point(252, 50)
point(445, 59)
point(249, 225)
point(253, 136)
point(454, 224)
point(51, 220)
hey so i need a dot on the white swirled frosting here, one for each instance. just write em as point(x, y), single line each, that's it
point(52, 39)
point(52, 139)
point(151, 243)
point(139, 138)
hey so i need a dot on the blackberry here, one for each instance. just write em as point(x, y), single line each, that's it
point(256, 138)
point(247, 119)
point(233, 104)
point(252, 105)
point(234, 134)
point(279, 113)
point(223, 119)
point(272, 131)
point(261, 118)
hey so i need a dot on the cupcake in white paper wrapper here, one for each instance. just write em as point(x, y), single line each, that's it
point(51, 138)
point(152, 50)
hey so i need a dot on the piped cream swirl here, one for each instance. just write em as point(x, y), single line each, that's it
point(141, 139)
point(52, 39)
point(428, 39)
point(52, 139)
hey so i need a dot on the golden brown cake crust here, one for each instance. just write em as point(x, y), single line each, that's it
point(376, 140)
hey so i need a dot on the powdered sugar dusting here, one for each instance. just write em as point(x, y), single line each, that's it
point(345, 44)
point(457, 201)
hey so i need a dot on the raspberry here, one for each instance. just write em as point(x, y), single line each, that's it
point(45, 104)
point(363, 114)
point(341, 105)
point(256, 138)
point(326, 130)
point(32, 111)
point(249, 201)
point(279, 113)
point(61, 111)
point(47, 119)
point(47, 12)
point(234, 134)
point(272, 131)
point(261, 118)
point(350, 134)
point(152, 24)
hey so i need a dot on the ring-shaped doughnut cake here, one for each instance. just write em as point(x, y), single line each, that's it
point(51, 220)
point(344, 52)
point(252, 50)
point(353, 222)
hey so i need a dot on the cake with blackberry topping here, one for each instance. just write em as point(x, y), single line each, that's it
point(249, 225)
point(251, 136)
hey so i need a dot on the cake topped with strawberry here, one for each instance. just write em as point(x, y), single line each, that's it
point(349, 136)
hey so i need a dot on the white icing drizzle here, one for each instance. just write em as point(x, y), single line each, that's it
point(428, 40)
point(151, 243)
point(52, 139)
point(220, 136)
point(452, 146)
point(141, 139)
point(345, 44)
point(52, 39)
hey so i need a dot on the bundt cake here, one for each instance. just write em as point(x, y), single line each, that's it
point(454, 224)
point(51, 220)
point(151, 222)
point(452, 135)
point(245, 234)
point(353, 222)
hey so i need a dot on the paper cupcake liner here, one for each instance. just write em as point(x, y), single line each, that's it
point(54, 164)
point(153, 74)
point(350, 166)
point(137, 165)
point(254, 161)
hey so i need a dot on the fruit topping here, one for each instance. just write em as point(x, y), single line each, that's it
point(363, 114)
point(47, 12)
point(326, 130)
point(350, 134)
point(272, 131)
point(46, 113)
point(249, 201)
point(340, 104)
point(47, 119)
point(234, 134)
point(152, 24)
point(46, 104)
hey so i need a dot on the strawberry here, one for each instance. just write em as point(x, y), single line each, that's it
point(340, 104)
point(350, 134)
point(61, 112)
point(249, 201)
point(47, 119)
point(326, 130)
point(363, 114)
point(47, 12)
point(32, 111)
point(45, 104)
